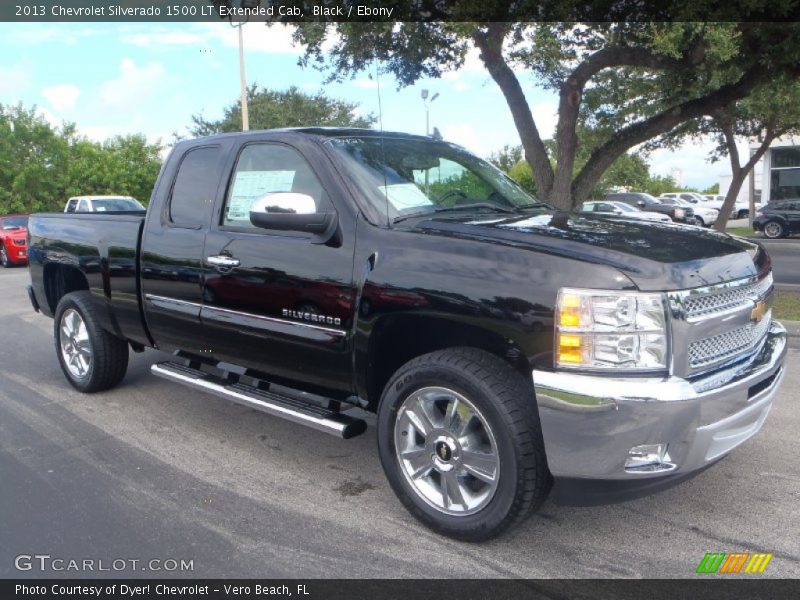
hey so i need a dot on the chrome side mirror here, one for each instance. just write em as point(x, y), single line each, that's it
point(291, 211)
point(284, 203)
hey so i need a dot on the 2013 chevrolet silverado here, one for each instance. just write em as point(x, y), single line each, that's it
point(501, 343)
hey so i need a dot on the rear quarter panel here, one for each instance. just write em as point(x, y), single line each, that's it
point(103, 247)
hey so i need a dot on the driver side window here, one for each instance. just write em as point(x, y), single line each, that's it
point(268, 168)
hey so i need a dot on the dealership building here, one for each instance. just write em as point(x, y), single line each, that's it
point(776, 176)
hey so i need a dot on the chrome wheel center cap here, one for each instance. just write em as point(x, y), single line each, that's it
point(445, 452)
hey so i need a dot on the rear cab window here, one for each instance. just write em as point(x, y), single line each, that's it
point(195, 187)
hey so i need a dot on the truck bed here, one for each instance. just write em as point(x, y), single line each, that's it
point(94, 251)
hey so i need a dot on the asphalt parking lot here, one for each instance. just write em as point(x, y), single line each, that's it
point(154, 470)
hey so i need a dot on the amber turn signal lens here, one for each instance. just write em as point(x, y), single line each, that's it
point(570, 348)
point(570, 314)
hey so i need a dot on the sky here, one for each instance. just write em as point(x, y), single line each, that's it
point(151, 78)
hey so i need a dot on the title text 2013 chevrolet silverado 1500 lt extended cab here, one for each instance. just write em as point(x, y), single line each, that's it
point(500, 342)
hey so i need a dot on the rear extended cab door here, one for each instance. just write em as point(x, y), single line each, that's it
point(171, 253)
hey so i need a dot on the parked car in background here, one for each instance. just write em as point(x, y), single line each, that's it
point(778, 218)
point(740, 210)
point(648, 203)
point(13, 240)
point(703, 215)
point(625, 211)
point(102, 204)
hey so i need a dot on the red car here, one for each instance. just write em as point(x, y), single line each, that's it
point(13, 243)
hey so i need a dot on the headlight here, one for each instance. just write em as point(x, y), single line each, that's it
point(679, 212)
point(598, 329)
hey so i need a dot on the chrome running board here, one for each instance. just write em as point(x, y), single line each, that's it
point(291, 409)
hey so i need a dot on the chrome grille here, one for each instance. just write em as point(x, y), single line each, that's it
point(727, 345)
point(709, 304)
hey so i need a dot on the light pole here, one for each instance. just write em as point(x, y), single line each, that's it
point(427, 102)
point(246, 4)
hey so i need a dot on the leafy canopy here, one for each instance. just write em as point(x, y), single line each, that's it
point(272, 109)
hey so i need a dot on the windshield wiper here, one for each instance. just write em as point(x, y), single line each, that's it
point(458, 207)
point(533, 205)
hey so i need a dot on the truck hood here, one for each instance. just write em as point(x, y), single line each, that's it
point(655, 256)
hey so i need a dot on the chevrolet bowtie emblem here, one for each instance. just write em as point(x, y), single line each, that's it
point(758, 311)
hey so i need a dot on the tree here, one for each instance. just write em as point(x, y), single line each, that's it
point(505, 158)
point(629, 171)
point(629, 83)
point(271, 109)
point(42, 165)
point(772, 112)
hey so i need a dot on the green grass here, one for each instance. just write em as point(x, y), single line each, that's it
point(786, 305)
point(744, 231)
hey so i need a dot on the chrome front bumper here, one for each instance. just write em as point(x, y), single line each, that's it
point(591, 422)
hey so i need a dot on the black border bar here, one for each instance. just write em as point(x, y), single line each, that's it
point(701, 586)
point(399, 10)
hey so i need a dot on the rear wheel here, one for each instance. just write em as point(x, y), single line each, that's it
point(460, 442)
point(742, 214)
point(774, 230)
point(91, 358)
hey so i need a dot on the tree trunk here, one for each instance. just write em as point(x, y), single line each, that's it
point(740, 173)
point(730, 200)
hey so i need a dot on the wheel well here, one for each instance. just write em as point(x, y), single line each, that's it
point(60, 280)
point(397, 341)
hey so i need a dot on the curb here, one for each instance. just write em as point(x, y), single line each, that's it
point(792, 328)
point(765, 240)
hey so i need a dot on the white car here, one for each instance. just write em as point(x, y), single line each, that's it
point(705, 216)
point(620, 209)
point(102, 204)
point(740, 210)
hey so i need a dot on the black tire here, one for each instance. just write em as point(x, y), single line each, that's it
point(109, 354)
point(699, 222)
point(4, 256)
point(774, 230)
point(742, 214)
point(507, 403)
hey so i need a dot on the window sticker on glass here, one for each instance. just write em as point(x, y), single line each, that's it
point(405, 195)
point(250, 185)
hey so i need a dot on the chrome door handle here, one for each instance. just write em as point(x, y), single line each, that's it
point(223, 261)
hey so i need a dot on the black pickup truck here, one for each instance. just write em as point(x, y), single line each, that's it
point(315, 274)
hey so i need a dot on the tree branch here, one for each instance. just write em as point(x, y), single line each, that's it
point(628, 137)
point(490, 45)
point(571, 94)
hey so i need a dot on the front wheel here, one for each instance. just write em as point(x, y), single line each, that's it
point(742, 214)
point(460, 442)
point(4, 257)
point(91, 358)
point(774, 230)
point(699, 222)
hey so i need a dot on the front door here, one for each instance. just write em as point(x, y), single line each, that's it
point(278, 302)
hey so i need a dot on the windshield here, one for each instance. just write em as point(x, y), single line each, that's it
point(15, 222)
point(411, 176)
point(116, 204)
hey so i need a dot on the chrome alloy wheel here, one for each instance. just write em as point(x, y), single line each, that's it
point(75, 347)
point(447, 451)
point(773, 229)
